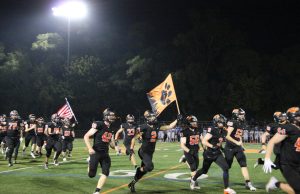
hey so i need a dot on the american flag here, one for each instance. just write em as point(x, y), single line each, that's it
point(65, 111)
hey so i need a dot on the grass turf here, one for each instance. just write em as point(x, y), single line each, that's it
point(29, 177)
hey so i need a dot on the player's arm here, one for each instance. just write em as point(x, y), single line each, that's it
point(167, 127)
point(229, 138)
point(73, 134)
point(183, 144)
point(46, 132)
point(264, 139)
point(277, 138)
point(27, 128)
point(205, 140)
point(87, 136)
point(118, 133)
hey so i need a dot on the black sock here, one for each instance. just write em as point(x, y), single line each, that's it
point(198, 173)
point(139, 174)
point(277, 184)
point(260, 161)
point(247, 181)
point(97, 190)
point(226, 179)
point(135, 166)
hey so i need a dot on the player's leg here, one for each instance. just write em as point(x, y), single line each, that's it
point(105, 163)
point(241, 158)
point(58, 149)
point(221, 162)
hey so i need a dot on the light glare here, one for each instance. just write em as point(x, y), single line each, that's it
point(71, 9)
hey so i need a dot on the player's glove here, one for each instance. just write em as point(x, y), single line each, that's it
point(63, 137)
point(21, 139)
point(268, 166)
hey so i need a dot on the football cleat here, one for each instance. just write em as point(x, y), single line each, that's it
point(10, 164)
point(46, 166)
point(64, 159)
point(131, 186)
point(249, 186)
point(56, 162)
point(271, 184)
point(194, 185)
point(32, 155)
point(229, 191)
point(96, 192)
point(182, 159)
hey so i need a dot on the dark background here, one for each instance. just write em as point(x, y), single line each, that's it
point(222, 55)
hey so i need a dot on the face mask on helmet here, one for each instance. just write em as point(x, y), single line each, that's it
point(31, 117)
point(219, 120)
point(66, 122)
point(40, 120)
point(55, 118)
point(279, 117)
point(192, 121)
point(239, 114)
point(130, 119)
point(150, 117)
point(14, 114)
point(109, 115)
point(293, 115)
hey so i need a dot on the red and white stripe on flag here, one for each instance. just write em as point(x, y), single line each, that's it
point(65, 112)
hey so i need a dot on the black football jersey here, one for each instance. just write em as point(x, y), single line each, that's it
point(237, 133)
point(40, 129)
point(14, 128)
point(55, 129)
point(67, 132)
point(130, 131)
point(290, 146)
point(272, 129)
point(217, 136)
point(30, 124)
point(192, 138)
point(149, 137)
point(102, 137)
point(3, 127)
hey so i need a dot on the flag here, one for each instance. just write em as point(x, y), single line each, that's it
point(66, 111)
point(162, 95)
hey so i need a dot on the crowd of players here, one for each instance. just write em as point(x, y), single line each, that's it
point(191, 138)
point(58, 135)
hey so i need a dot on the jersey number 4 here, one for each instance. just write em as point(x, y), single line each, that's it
point(194, 140)
point(297, 145)
point(106, 137)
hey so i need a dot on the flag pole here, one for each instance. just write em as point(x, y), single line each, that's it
point(71, 109)
point(178, 110)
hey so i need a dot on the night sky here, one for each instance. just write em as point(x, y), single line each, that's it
point(269, 26)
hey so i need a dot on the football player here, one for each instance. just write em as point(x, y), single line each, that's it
point(14, 133)
point(289, 137)
point(3, 132)
point(271, 129)
point(40, 135)
point(68, 136)
point(189, 142)
point(234, 144)
point(212, 141)
point(149, 134)
point(53, 132)
point(30, 130)
point(130, 130)
point(99, 154)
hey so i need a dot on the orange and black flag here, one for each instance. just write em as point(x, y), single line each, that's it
point(162, 95)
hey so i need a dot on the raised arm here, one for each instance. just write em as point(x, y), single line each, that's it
point(170, 126)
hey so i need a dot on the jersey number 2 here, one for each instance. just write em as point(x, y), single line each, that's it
point(153, 136)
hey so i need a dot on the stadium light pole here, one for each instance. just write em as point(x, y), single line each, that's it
point(70, 10)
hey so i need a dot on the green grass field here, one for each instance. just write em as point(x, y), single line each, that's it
point(29, 176)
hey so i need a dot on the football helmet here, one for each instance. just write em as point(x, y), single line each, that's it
point(130, 118)
point(238, 114)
